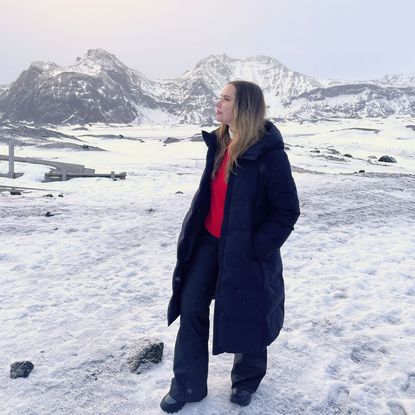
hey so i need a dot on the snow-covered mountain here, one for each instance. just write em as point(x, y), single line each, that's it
point(398, 80)
point(357, 100)
point(99, 88)
point(193, 94)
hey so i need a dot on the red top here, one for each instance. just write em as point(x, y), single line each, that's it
point(218, 186)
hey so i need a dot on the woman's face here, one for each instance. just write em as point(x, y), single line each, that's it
point(224, 107)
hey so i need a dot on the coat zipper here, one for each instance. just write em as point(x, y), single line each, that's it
point(222, 239)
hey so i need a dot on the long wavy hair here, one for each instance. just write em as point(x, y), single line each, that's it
point(248, 125)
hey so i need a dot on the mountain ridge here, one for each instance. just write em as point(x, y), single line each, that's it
point(98, 87)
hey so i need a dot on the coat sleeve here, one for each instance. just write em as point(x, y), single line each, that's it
point(282, 205)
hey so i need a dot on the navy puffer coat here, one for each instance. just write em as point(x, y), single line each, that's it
point(261, 209)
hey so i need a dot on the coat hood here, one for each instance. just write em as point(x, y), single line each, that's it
point(272, 138)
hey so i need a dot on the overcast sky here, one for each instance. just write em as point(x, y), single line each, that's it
point(337, 39)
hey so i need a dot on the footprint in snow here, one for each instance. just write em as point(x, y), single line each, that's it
point(326, 327)
point(336, 403)
point(367, 353)
point(396, 408)
point(409, 386)
point(338, 398)
point(334, 370)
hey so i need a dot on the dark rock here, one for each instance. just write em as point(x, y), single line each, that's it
point(374, 130)
point(40, 136)
point(387, 159)
point(372, 157)
point(48, 214)
point(334, 158)
point(196, 137)
point(315, 151)
point(179, 192)
point(105, 136)
point(36, 133)
point(170, 140)
point(145, 354)
point(362, 171)
point(48, 195)
point(60, 195)
point(150, 210)
point(15, 192)
point(120, 135)
point(333, 151)
point(21, 369)
point(68, 145)
point(287, 148)
point(411, 126)
point(347, 155)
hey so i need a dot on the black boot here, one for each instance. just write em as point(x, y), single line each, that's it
point(240, 397)
point(170, 405)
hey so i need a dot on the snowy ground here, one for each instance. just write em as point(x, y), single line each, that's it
point(79, 288)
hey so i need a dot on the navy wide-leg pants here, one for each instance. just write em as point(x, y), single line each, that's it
point(191, 355)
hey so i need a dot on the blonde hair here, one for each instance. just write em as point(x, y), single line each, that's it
point(248, 121)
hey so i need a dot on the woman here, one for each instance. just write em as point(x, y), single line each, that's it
point(228, 249)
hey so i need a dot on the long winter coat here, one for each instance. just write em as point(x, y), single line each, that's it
point(261, 208)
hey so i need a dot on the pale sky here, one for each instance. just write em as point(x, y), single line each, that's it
point(337, 39)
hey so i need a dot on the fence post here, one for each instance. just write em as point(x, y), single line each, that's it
point(11, 158)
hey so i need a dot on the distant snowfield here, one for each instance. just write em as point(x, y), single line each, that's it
point(78, 289)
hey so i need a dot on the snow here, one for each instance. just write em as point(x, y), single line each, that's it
point(80, 288)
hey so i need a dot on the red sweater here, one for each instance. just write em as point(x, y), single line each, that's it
point(218, 186)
